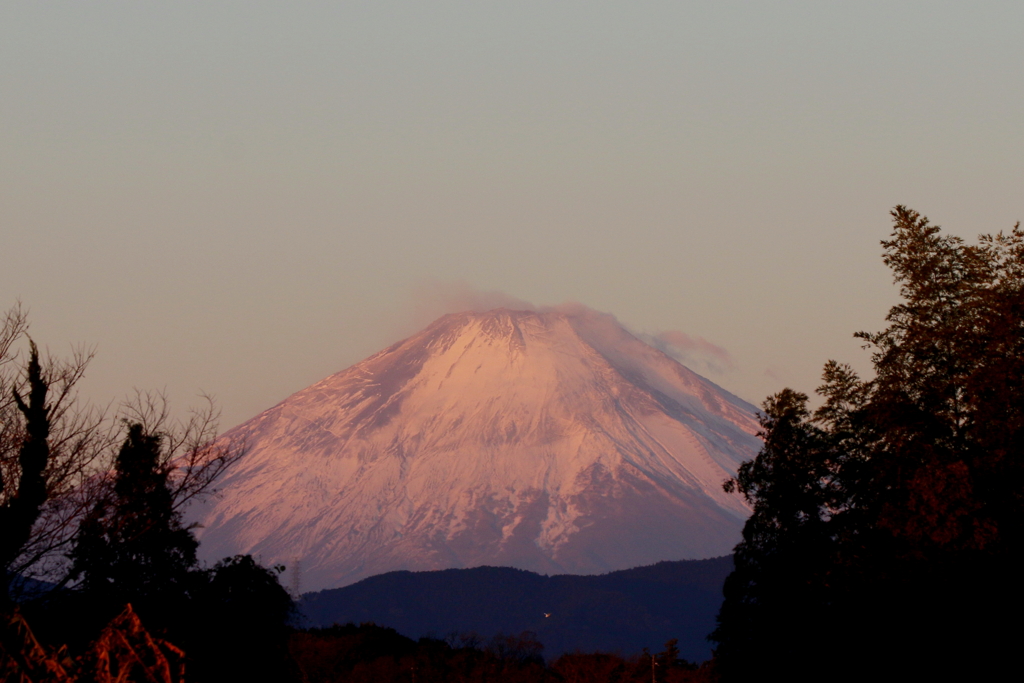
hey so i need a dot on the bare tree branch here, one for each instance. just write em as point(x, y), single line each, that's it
point(83, 444)
point(192, 453)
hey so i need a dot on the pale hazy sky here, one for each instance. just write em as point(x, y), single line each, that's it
point(244, 197)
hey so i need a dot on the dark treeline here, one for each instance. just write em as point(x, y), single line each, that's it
point(375, 654)
point(620, 611)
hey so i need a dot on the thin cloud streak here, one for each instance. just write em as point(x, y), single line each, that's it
point(692, 351)
point(697, 347)
point(431, 299)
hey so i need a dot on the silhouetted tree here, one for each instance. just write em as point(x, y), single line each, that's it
point(670, 666)
point(20, 510)
point(776, 582)
point(887, 525)
point(133, 547)
point(239, 630)
point(49, 445)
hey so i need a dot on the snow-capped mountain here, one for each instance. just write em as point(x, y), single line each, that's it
point(552, 441)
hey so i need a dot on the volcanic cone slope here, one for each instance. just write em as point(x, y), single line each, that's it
point(552, 441)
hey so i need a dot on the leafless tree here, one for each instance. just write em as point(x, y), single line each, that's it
point(41, 486)
point(81, 443)
point(192, 452)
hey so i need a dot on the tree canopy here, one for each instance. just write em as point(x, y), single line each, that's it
point(887, 523)
point(133, 547)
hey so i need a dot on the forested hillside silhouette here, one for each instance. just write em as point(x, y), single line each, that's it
point(623, 611)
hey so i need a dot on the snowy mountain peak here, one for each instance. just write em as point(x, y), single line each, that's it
point(550, 440)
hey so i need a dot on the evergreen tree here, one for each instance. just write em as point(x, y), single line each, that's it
point(239, 628)
point(20, 510)
point(133, 547)
point(887, 526)
point(774, 585)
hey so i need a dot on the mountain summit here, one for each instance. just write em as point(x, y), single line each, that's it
point(552, 441)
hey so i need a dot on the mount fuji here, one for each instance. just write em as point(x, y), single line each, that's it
point(553, 441)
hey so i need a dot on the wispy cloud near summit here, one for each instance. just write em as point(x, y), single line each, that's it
point(438, 297)
point(431, 299)
point(434, 298)
point(696, 348)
